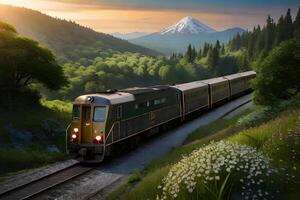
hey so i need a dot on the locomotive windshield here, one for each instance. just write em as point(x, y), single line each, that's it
point(76, 112)
point(99, 114)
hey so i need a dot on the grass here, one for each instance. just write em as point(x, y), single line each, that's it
point(157, 169)
point(258, 136)
point(218, 125)
point(273, 132)
point(56, 114)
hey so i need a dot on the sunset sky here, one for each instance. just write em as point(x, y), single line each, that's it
point(153, 15)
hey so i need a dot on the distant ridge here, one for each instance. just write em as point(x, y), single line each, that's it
point(129, 36)
point(69, 40)
point(188, 30)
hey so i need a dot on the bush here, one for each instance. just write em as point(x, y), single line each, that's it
point(212, 171)
point(267, 113)
point(278, 75)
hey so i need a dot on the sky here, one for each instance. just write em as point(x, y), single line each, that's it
point(153, 15)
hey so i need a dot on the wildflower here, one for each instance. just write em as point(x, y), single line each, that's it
point(210, 162)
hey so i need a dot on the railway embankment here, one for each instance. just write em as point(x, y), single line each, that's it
point(32, 136)
point(249, 156)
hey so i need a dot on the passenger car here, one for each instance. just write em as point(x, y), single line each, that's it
point(103, 121)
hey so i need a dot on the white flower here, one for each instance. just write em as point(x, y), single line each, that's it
point(210, 162)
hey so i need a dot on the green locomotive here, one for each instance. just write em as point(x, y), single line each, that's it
point(102, 121)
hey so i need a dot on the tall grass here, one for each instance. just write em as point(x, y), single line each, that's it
point(276, 136)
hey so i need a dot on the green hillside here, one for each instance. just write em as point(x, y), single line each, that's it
point(67, 39)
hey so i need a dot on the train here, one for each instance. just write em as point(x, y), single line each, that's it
point(105, 121)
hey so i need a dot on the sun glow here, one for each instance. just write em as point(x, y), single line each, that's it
point(110, 18)
point(18, 2)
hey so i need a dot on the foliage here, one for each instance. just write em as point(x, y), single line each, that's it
point(212, 170)
point(24, 61)
point(69, 40)
point(278, 75)
point(57, 106)
point(261, 40)
point(118, 70)
point(277, 139)
point(46, 124)
point(264, 114)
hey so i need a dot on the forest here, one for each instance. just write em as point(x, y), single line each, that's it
point(115, 70)
point(68, 40)
point(31, 75)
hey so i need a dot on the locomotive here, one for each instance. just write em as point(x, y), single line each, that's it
point(102, 121)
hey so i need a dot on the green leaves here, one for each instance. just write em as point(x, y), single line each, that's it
point(23, 62)
point(279, 73)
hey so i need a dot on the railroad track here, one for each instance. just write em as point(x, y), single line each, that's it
point(35, 188)
point(45, 183)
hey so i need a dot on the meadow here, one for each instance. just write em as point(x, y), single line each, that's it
point(251, 156)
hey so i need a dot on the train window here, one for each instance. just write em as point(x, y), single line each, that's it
point(156, 101)
point(159, 101)
point(119, 112)
point(136, 106)
point(86, 113)
point(148, 103)
point(76, 112)
point(99, 114)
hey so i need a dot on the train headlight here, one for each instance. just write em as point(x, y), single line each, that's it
point(98, 138)
point(76, 130)
point(74, 136)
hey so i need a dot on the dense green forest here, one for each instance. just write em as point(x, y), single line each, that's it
point(69, 40)
point(115, 70)
point(255, 45)
point(29, 71)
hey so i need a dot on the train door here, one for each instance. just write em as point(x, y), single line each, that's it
point(86, 130)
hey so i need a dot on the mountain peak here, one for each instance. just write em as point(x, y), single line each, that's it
point(188, 25)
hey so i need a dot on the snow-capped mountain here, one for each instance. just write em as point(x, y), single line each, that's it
point(176, 38)
point(188, 25)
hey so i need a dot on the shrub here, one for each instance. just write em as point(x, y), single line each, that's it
point(278, 75)
point(212, 171)
point(267, 113)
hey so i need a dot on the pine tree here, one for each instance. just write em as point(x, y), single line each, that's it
point(218, 46)
point(269, 34)
point(194, 54)
point(205, 50)
point(223, 49)
point(189, 54)
point(288, 23)
point(251, 44)
point(237, 44)
point(213, 58)
point(297, 24)
point(280, 32)
point(199, 53)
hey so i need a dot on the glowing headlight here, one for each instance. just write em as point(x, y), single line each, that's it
point(98, 137)
point(76, 130)
point(74, 136)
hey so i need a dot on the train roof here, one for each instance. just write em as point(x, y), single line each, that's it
point(233, 76)
point(112, 97)
point(248, 73)
point(105, 98)
point(190, 86)
point(213, 80)
point(143, 90)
